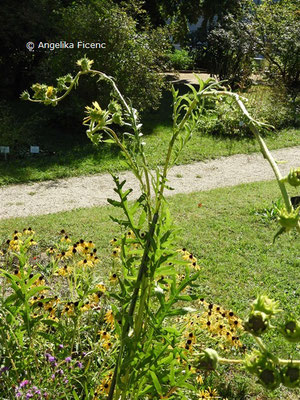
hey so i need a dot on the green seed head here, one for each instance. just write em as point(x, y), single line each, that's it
point(257, 323)
point(269, 377)
point(291, 330)
point(85, 63)
point(290, 376)
point(293, 177)
point(288, 220)
point(208, 360)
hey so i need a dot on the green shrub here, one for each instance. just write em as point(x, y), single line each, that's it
point(181, 59)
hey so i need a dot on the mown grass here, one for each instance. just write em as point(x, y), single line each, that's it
point(232, 240)
point(74, 156)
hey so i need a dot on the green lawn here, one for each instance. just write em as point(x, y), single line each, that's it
point(75, 156)
point(233, 243)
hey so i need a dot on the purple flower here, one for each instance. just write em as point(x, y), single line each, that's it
point(61, 346)
point(65, 380)
point(24, 383)
point(29, 395)
point(3, 369)
point(68, 359)
point(79, 365)
point(53, 376)
point(45, 394)
point(18, 394)
point(50, 358)
point(60, 371)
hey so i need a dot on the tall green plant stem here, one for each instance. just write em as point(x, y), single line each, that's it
point(264, 149)
point(134, 298)
point(142, 279)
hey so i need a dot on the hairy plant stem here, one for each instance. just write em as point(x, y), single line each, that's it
point(142, 280)
point(134, 298)
point(264, 149)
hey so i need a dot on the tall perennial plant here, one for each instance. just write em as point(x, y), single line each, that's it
point(150, 316)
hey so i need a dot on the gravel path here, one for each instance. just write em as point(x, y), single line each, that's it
point(66, 194)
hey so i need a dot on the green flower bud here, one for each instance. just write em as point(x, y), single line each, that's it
point(85, 63)
point(291, 330)
point(288, 220)
point(208, 359)
point(117, 119)
point(293, 177)
point(114, 107)
point(40, 91)
point(257, 323)
point(290, 376)
point(254, 361)
point(25, 95)
point(266, 305)
point(269, 377)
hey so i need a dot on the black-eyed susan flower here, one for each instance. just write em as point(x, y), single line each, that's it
point(17, 234)
point(64, 271)
point(85, 307)
point(65, 239)
point(90, 244)
point(116, 252)
point(109, 318)
point(68, 309)
point(104, 386)
point(17, 273)
point(107, 345)
point(85, 263)
point(101, 287)
point(113, 278)
point(32, 242)
point(51, 250)
point(104, 335)
point(28, 231)
point(62, 256)
point(130, 235)
point(95, 297)
point(113, 241)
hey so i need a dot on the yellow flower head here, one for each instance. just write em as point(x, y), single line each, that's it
point(28, 231)
point(49, 91)
point(109, 318)
point(113, 278)
point(107, 345)
point(64, 271)
point(104, 335)
point(65, 239)
point(50, 250)
point(85, 263)
point(116, 252)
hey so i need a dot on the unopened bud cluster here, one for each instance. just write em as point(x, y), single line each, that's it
point(267, 367)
